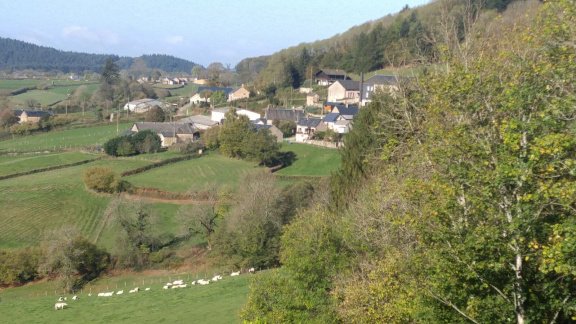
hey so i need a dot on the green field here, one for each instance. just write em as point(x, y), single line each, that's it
point(27, 162)
point(50, 200)
point(45, 98)
point(55, 140)
point(311, 160)
point(219, 302)
point(186, 91)
point(20, 83)
point(195, 174)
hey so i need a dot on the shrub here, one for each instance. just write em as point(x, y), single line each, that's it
point(142, 142)
point(102, 179)
point(187, 147)
point(18, 266)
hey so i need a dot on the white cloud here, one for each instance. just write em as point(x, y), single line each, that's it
point(174, 39)
point(95, 36)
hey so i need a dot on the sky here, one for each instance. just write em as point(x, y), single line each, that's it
point(202, 31)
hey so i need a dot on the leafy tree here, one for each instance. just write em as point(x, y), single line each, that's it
point(102, 179)
point(155, 114)
point(138, 239)
point(72, 258)
point(110, 72)
point(7, 118)
point(203, 219)
point(217, 98)
point(19, 266)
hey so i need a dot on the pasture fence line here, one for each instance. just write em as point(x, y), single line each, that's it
point(154, 283)
point(51, 168)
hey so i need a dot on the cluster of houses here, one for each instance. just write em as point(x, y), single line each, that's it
point(203, 94)
point(342, 89)
point(344, 99)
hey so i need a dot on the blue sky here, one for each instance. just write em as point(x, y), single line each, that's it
point(202, 31)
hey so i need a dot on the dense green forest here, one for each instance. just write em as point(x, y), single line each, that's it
point(404, 39)
point(18, 55)
point(456, 198)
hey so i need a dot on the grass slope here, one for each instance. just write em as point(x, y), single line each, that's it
point(218, 302)
point(311, 160)
point(70, 138)
point(27, 162)
point(195, 174)
point(50, 200)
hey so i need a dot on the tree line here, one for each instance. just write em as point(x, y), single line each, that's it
point(404, 39)
point(19, 55)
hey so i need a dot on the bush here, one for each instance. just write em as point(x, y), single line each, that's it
point(103, 179)
point(142, 142)
point(187, 147)
point(19, 266)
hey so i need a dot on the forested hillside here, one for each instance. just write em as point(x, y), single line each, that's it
point(404, 39)
point(455, 199)
point(18, 55)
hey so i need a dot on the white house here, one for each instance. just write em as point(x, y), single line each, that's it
point(219, 114)
point(142, 105)
point(198, 98)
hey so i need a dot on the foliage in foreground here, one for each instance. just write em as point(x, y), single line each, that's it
point(463, 198)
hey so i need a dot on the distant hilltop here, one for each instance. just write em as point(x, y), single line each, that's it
point(19, 55)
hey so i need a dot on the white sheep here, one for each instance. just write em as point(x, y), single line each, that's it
point(216, 278)
point(60, 305)
point(147, 288)
point(60, 299)
point(183, 285)
point(203, 282)
point(194, 283)
point(233, 274)
point(251, 270)
point(165, 287)
point(75, 297)
point(178, 282)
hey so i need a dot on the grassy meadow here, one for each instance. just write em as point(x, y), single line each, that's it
point(311, 160)
point(60, 139)
point(219, 302)
point(195, 174)
point(26, 162)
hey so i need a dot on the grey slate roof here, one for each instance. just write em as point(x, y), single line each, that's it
point(331, 117)
point(309, 122)
point(350, 110)
point(214, 89)
point(350, 85)
point(284, 114)
point(166, 129)
point(382, 79)
point(199, 119)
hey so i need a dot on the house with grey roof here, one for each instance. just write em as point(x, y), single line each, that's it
point(32, 116)
point(326, 77)
point(169, 133)
point(199, 122)
point(143, 105)
point(280, 114)
point(344, 91)
point(385, 83)
point(306, 128)
point(275, 131)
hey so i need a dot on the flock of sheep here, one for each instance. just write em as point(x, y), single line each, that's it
point(61, 304)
